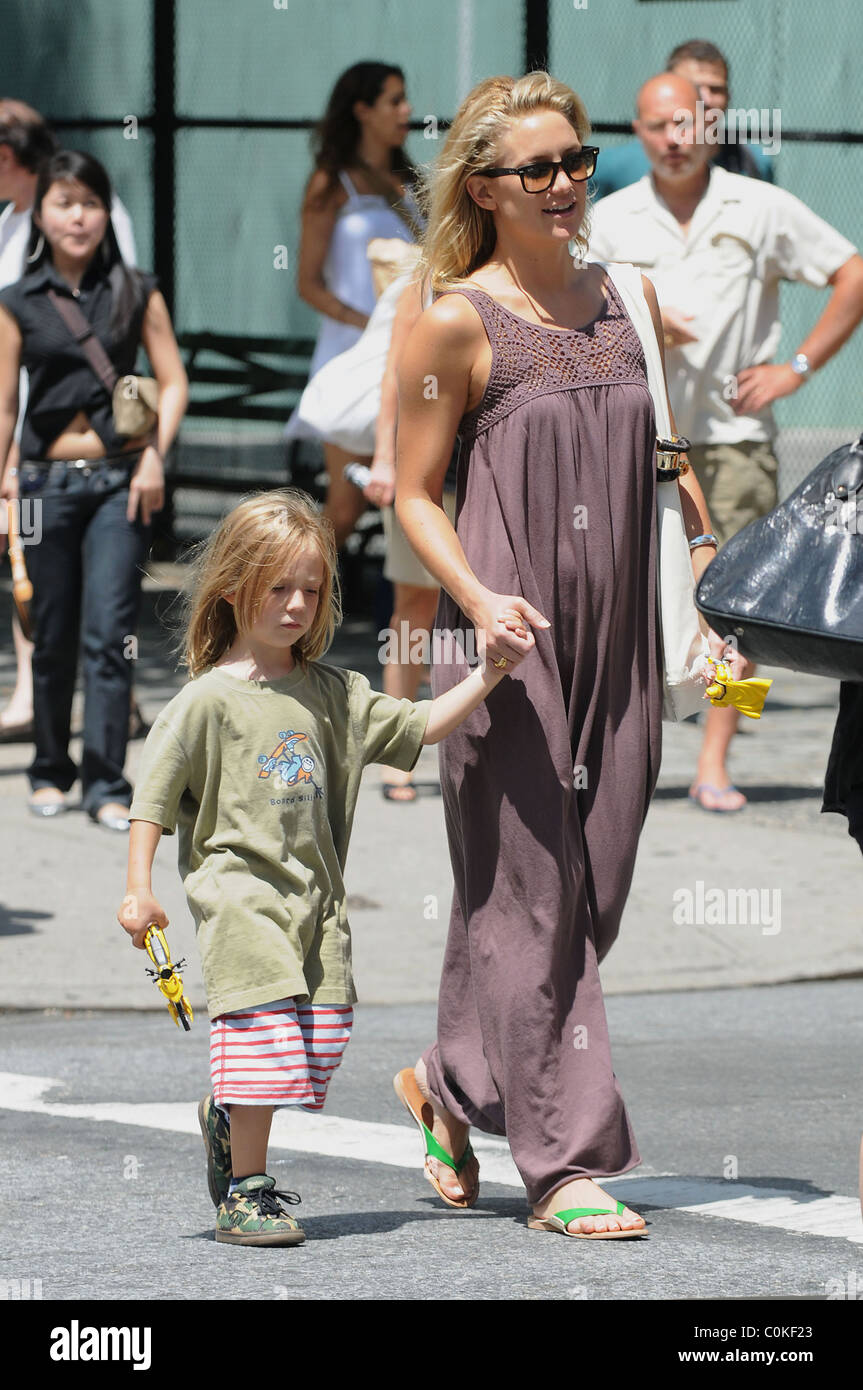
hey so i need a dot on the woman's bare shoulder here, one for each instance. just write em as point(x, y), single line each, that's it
point(453, 318)
point(322, 194)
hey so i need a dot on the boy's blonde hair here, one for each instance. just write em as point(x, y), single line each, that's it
point(460, 235)
point(255, 545)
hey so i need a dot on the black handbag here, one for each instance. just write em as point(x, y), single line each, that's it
point(789, 587)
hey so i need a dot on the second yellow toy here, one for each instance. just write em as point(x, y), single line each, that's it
point(748, 696)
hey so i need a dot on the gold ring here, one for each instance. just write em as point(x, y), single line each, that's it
point(500, 664)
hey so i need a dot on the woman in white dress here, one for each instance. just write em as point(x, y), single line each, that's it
point(361, 188)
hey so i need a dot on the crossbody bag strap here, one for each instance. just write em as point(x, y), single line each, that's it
point(82, 331)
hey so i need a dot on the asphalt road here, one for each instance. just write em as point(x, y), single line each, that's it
point(747, 1102)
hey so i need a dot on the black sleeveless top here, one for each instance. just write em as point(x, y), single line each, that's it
point(62, 382)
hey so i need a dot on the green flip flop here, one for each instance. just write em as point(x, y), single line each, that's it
point(561, 1219)
point(412, 1098)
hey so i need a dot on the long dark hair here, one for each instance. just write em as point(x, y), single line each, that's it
point(337, 135)
point(125, 281)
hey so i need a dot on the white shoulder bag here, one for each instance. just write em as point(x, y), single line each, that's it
point(684, 640)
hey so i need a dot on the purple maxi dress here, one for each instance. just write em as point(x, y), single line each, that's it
point(547, 784)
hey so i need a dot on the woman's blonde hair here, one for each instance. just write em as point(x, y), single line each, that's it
point(255, 545)
point(460, 235)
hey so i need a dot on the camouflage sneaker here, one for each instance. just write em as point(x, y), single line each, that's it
point(217, 1139)
point(254, 1215)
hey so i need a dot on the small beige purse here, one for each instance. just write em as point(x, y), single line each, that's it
point(135, 404)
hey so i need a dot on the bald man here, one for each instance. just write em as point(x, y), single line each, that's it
point(716, 246)
point(704, 64)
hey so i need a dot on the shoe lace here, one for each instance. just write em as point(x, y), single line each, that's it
point(268, 1200)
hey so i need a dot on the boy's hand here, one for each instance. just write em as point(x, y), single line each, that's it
point(515, 623)
point(137, 913)
point(503, 624)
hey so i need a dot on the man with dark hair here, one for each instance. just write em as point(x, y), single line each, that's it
point(701, 63)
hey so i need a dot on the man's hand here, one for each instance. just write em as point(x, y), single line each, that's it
point(758, 386)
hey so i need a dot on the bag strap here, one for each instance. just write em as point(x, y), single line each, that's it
point(82, 331)
point(627, 281)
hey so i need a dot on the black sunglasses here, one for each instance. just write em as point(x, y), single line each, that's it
point(536, 178)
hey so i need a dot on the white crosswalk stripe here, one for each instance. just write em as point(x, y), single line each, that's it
point(329, 1136)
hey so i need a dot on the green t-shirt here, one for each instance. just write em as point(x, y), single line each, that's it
point(260, 778)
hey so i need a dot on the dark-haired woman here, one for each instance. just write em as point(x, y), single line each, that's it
point(360, 189)
point(96, 489)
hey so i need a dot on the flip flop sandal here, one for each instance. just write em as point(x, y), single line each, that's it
point(561, 1219)
point(412, 1098)
point(391, 792)
point(695, 799)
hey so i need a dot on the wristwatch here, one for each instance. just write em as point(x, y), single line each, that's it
point(800, 364)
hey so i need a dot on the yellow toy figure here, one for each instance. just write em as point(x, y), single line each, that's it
point(748, 696)
point(167, 976)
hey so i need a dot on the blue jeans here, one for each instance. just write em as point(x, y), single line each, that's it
point(86, 576)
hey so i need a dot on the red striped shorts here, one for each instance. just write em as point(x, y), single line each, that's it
point(278, 1054)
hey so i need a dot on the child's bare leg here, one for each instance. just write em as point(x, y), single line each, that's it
point(250, 1135)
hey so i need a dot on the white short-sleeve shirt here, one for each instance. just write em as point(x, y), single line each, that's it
point(745, 236)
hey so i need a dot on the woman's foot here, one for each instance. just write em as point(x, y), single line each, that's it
point(47, 801)
point(720, 796)
point(584, 1192)
point(113, 816)
point(452, 1136)
point(398, 786)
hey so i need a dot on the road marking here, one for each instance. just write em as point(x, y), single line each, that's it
point(397, 1146)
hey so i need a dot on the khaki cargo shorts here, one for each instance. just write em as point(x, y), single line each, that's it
point(739, 482)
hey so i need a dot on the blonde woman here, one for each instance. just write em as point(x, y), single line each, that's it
point(531, 358)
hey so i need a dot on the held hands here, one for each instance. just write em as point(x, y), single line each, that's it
point(137, 912)
point(147, 486)
point(503, 625)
